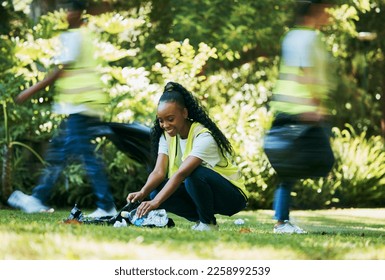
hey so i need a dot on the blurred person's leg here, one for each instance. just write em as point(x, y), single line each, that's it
point(282, 200)
point(55, 159)
point(80, 145)
point(281, 206)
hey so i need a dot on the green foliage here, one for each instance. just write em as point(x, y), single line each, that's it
point(125, 174)
point(240, 30)
point(120, 37)
point(131, 92)
point(360, 169)
point(360, 64)
point(10, 154)
point(183, 64)
point(50, 25)
point(357, 179)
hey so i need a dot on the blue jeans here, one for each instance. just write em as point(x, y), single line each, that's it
point(282, 199)
point(73, 140)
point(202, 195)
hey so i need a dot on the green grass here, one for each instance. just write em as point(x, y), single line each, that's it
point(348, 234)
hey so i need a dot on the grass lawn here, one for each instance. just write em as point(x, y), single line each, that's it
point(346, 234)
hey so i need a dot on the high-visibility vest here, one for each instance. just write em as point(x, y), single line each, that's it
point(229, 171)
point(297, 93)
point(80, 83)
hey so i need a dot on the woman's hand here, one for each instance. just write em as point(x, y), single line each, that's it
point(145, 207)
point(135, 196)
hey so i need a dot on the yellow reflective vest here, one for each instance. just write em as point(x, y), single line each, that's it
point(297, 91)
point(230, 171)
point(80, 82)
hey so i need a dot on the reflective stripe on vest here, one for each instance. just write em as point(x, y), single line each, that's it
point(230, 171)
point(291, 95)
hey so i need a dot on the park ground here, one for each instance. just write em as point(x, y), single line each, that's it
point(336, 234)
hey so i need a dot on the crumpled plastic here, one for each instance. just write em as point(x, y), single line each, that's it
point(154, 218)
point(125, 217)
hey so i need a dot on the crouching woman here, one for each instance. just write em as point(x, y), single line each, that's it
point(194, 176)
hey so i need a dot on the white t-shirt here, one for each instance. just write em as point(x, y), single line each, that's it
point(303, 48)
point(70, 44)
point(204, 148)
point(298, 48)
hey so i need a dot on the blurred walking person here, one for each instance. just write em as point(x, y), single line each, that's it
point(79, 95)
point(297, 145)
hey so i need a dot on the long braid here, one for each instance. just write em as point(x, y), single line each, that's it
point(175, 92)
point(156, 133)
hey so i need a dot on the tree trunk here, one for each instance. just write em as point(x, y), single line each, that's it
point(6, 176)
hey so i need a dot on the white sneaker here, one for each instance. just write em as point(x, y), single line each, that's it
point(98, 213)
point(27, 203)
point(195, 225)
point(288, 228)
point(205, 227)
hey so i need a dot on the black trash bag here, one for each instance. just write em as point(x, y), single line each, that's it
point(76, 216)
point(133, 139)
point(299, 151)
point(156, 218)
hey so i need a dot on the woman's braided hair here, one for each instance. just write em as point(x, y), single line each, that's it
point(174, 92)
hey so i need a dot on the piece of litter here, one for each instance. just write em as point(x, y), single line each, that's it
point(118, 224)
point(239, 222)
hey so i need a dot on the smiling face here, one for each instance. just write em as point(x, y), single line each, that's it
point(173, 119)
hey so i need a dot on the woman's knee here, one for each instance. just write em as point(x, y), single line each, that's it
point(196, 179)
point(200, 174)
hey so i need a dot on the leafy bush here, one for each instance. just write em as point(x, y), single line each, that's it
point(358, 176)
point(360, 169)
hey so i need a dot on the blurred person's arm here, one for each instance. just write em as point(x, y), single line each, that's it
point(70, 42)
point(50, 79)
